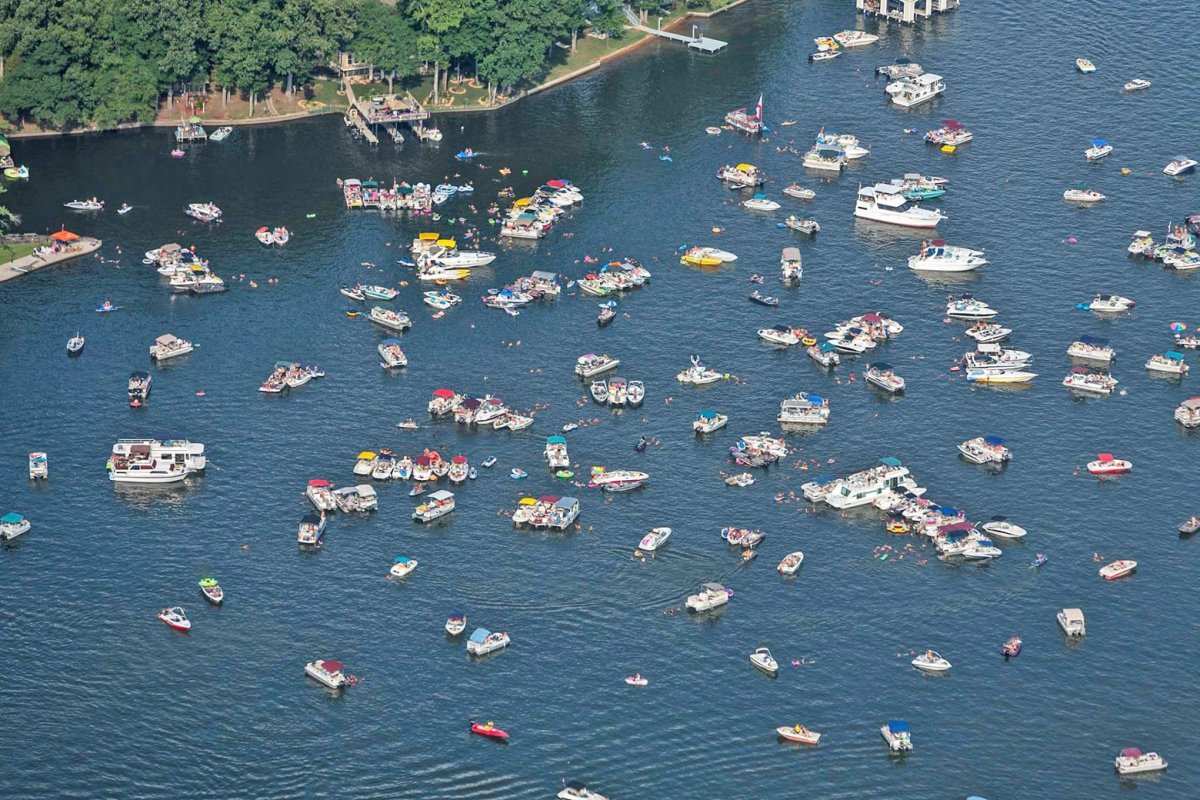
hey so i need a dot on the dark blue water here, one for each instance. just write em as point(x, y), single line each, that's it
point(123, 707)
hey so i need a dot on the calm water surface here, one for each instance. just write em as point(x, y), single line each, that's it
point(100, 699)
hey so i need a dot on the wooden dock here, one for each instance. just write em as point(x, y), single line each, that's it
point(389, 111)
point(696, 42)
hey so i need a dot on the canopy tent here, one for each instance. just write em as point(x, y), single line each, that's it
point(64, 236)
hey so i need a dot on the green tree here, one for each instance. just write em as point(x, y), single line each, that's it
point(387, 40)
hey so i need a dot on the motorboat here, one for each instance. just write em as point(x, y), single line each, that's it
point(556, 452)
point(311, 530)
point(742, 479)
point(885, 202)
point(824, 55)
point(376, 292)
point(1183, 261)
point(798, 733)
point(1092, 348)
point(930, 661)
point(1137, 84)
point(724, 256)
point(149, 461)
point(389, 350)
point(741, 175)
point(1168, 363)
point(791, 265)
point(1106, 464)
point(790, 563)
point(212, 591)
point(900, 68)
point(882, 376)
point(760, 202)
point(1083, 379)
point(459, 469)
point(1141, 244)
point(1117, 569)
point(1072, 623)
point(780, 335)
point(861, 488)
point(709, 421)
point(387, 318)
point(912, 91)
point(988, 332)
point(13, 525)
point(985, 450)
point(618, 392)
point(175, 618)
point(1011, 648)
point(742, 120)
point(167, 346)
point(1133, 761)
point(138, 388)
point(1099, 149)
point(574, 790)
point(328, 672)
point(75, 345)
point(951, 133)
point(359, 497)
point(1180, 165)
point(320, 493)
point(488, 729)
point(402, 566)
point(915, 186)
point(456, 624)
point(968, 307)
point(220, 134)
point(825, 158)
point(710, 596)
point(437, 504)
point(441, 300)
point(808, 226)
point(1082, 196)
point(1085, 66)
point(1002, 528)
point(804, 409)
point(1001, 376)
point(482, 641)
point(825, 354)
point(608, 312)
point(39, 466)
point(799, 192)
point(763, 660)
point(981, 549)
point(1189, 525)
point(655, 539)
point(1110, 304)
point(85, 205)
point(994, 358)
point(205, 212)
point(1187, 413)
point(365, 465)
point(617, 480)
point(897, 735)
point(850, 39)
point(851, 148)
point(590, 365)
point(490, 410)
point(698, 374)
point(937, 256)
point(636, 393)
point(599, 390)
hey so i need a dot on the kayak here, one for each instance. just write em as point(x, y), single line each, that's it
point(489, 730)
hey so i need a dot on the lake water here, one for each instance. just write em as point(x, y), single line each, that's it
point(102, 700)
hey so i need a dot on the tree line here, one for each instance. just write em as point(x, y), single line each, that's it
point(104, 62)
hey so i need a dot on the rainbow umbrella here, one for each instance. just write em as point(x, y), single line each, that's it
point(1178, 326)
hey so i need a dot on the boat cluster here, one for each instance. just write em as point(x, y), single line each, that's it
point(617, 392)
point(759, 450)
point(289, 375)
point(427, 467)
point(532, 217)
point(205, 212)
point(272, 236)
point(547, 511)
point(187, 271)
point(1177, 250)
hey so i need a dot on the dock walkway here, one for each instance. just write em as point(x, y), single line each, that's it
point(31, 263)
point(697, 42)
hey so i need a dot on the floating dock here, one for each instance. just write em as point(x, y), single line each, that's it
point(696, 42)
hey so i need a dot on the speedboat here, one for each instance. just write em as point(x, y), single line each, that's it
point(75, 345)
point(790, 563)
point(379, 292)
point(1136, 84)
point(780, 335)
point(798, 733)
point(85, 205)
point(1082, 196)
point(985, 450)
point(981, 549)
point(763, 299)
point(937, 256)
point(709, 421)
point(1110, 304)
point(138, 388)
point(882, 376)
point(482, 641)
point(353, 292)
point(327, 671)
point(1072, 623)
point(898, 735)
point(1099, 149)
point(488, 729)
point(799, 192)
point(402, 566)
point(365, 464)
point(392, 355)
point(988, 332)
point(1142, 244)
point(930, 661)
point(1106, 464)
point(456, 624)
point(1085, 66)
point(1092, 348)
point(1117, 569)
point(205, 212)
point(599, 390)
point(175, 618)
point(742, 479)
point(763, 660)
point(855, 38)
point(825, 354)
point(1132, 761)
point(1180, 165)
point(1001, 528)
point(1168, 363)
point(851, 148)
point(967, 307)
point(824, 55)
point(13, 525)
point(809, 226)
point(212, 591)
point(655, 539)
point(698, 374)
point(710, 596)
point(1084, 380)
point(759, 202)
point(574, 790)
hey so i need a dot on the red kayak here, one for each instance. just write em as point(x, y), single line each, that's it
point(488, 729)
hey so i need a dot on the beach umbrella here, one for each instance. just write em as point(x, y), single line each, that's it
point(1178, 326)
point(194, 120)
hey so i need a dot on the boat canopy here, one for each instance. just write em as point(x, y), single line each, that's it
point(952, 125)
point(445, 394)
point(521, 202)
point(165, 339)
point(366, 455)
point(821, 480)
point(1191, 404)
point(1142, 234)
point(471, 403)
point(403, 560)
point(1095, 341)
point(441, 496)
point(928, 79)
point(310, 519)
point(526, 501)
point(947, 511)
point(1080, 370)
point(828, 152)
point(422, 461)
point(458, 617)
point(330, 665)
point(890, 461)
point(479, 634)
point(712, 587)
point(566, 503)
point(542, 275)
point(1072, 614)
point(994, 441)
point(815, 399)
point(1131, 752)
point(1104, 458)
point(12, 518)
point(428, 237)
point(449, 244)
point(713, 414)
point(370, 184)
point(745, 168)
point(827, 347)
point(1099, 142)
point(881, 367)
point(555, 440)
point(897, 726)
point(286, 364)
point(1174, 355)
point(781, 328)
point(556, 184)
point(318, 482)
point(956, 530)
point(459, 460)
point(873, 317)
point(791, 254)
point(64, 236)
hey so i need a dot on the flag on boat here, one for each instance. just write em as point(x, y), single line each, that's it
point(758, 108)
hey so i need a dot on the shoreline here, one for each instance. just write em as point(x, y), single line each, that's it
point(292, 117)
point(24, 265)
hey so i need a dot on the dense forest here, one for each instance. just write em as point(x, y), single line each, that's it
point(104, 62)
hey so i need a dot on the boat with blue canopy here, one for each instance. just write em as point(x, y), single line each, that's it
point(482, 641)
point(898, 735)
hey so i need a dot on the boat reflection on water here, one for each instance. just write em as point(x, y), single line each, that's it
point(145, 497)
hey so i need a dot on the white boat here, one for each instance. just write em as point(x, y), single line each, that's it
point(311, 529)
point(780, 335)
point(1168, 363)
point(636, 393)
point(1132, 761)
point(456, 624)
point(168, 346)
point(1092, 348)
point(389, 350)
point(152, 461)
point(807, 226)
point(461, 259)
point(791, 265)
point(825, 354)
point(988, 332)
point(851, 148)
point(985, 450)
point(885, 202)
point(882, 376)
point(804, 409)
point(937, 256)
point(1003, 376)
point(930, 661)
point(981, 549)
point(1184, 261)
point(175, 618)
point(862, 488)
point(1002, 528)
point(995, 358)
point(1082, 196)
point(709, 421)
point(710, 596)
point(395, 320)
point(1180, 165)
point(850, 39)
point(13, 525)
point(1117, 569)
point(825, 158)
point(1141, 244)
point(1099, 149)
point(365, 463)
point(799, 192)
point(328, 672)
point(824, 55)
point(556, 453)
point(491, 409)
point(1084, 380)
point(762, 659)
point(220, 134)
point(85, 205)
point(39, 466)
point(1137, 84)
point(590, 365)
point(574, 790)
point(798, 733)
point(438, 504)
point(759, 202)
point(205, 212)
point(1085, 66)
point(617, 480)
point(482, 641)
point(360, 497)
point(1072, 622)
point(698, 374)
point(951, 133)
point(912, 91)
point(790, 563)
point(968, 307)
point(1106, 464)
point(320, 493)
point(724, 256)
point(897, 735)
point(1187, 413)
point(655, 539)
point(377, 292)
point(402, 566)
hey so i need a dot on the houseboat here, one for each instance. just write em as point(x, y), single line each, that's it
point(149, 461)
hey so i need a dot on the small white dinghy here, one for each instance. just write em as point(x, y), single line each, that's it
point(798, 733)
point(655, 539)
point(456, 624)
point(790, 563)
point(1082, 196)
point(636, 679)
point(930, 661)
point(763, 660)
